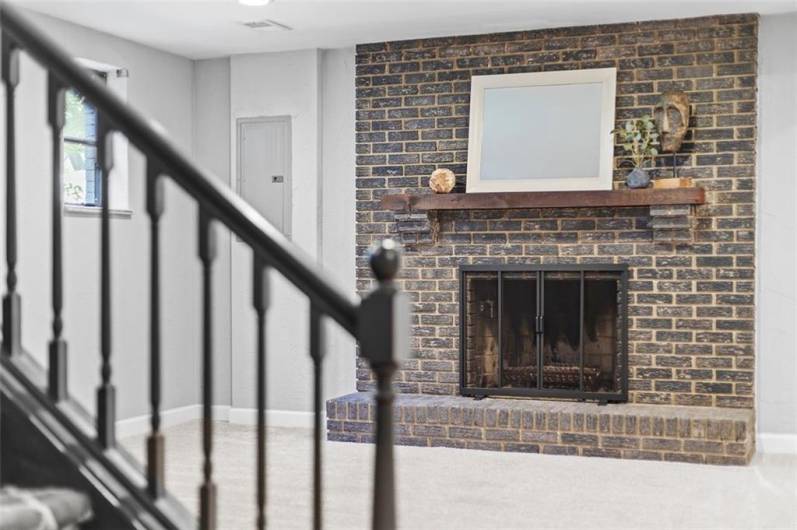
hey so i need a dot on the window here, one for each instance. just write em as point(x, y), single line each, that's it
point(81, 175)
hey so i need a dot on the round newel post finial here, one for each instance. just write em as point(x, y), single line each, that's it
point(385, 260)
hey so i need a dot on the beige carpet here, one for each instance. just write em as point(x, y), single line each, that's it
point(457, 489)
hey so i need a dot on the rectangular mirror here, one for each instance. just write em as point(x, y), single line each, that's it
point(541, 131)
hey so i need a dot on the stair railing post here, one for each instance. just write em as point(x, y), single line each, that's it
point(317, 355)
point(261, 299)
point(155, 455)
point(56, 93)
point(12, 304)
point(383, 332)
point(106, 394)
point(207, 254)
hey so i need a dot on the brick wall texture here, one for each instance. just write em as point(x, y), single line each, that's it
point(691, 302)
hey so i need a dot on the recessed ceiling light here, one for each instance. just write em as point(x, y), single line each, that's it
point(254, 2)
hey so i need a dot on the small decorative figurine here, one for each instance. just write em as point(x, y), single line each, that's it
point(639, 138)
point(442, 180)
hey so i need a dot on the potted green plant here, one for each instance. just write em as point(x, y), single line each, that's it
point(639, 139)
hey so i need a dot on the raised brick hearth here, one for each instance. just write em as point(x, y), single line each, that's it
point(691, 269)
point(649, 432)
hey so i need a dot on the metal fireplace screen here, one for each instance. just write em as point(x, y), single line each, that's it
point(544, 330)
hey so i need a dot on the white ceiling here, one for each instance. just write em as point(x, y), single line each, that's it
point(212, 28)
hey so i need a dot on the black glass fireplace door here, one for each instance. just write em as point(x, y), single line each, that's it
point(555, 331)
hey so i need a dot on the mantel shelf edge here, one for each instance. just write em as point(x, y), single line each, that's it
point(552, 199)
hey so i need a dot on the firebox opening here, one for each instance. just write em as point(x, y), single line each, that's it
point(537, 331)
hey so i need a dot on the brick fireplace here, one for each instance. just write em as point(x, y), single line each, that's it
point(690, 346)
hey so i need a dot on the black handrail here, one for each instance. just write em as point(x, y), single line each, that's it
point(379, 322)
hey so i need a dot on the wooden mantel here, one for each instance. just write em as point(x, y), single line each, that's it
point(543, 199)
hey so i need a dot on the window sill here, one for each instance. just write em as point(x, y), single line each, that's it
point(95, 211)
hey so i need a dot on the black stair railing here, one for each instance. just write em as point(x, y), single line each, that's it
point(155, 447)
point(379, 321)
point(56, 117)
point(11, 303)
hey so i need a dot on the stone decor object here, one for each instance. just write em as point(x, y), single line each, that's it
point(638, 178)
point(442, 180)
point(672, 117)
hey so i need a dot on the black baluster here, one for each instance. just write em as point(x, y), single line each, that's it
point(317, 354)
point(155, 441)
point(106, 394)
point(12, 304)
point(383, 332)
point(207, 253)
point(55, 114)
point(261, 301)
point(581, 332)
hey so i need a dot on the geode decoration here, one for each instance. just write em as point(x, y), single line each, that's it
point(442, 180)
point(672, 117)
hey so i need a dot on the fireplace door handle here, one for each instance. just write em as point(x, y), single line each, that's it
point(539, 321)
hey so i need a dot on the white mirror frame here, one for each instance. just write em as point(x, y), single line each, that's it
point(607, 77)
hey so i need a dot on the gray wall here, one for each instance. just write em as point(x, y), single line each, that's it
point(160, 86)
point(317, 90)
point(211, 121)
point(338, 211)
point(192, 100)
point(777, 196)
point(278, 84)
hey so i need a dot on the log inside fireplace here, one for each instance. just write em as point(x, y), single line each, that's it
point(558, 331)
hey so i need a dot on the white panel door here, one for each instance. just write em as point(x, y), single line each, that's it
point(264, 167)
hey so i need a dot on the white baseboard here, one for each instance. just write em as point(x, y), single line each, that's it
point(169, 417)
point(274, 418)
point(776, 443)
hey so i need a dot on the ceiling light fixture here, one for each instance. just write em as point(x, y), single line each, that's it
point(254, 2)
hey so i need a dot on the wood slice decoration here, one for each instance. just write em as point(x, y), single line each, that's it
point(442, 180)
point(671, 183)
